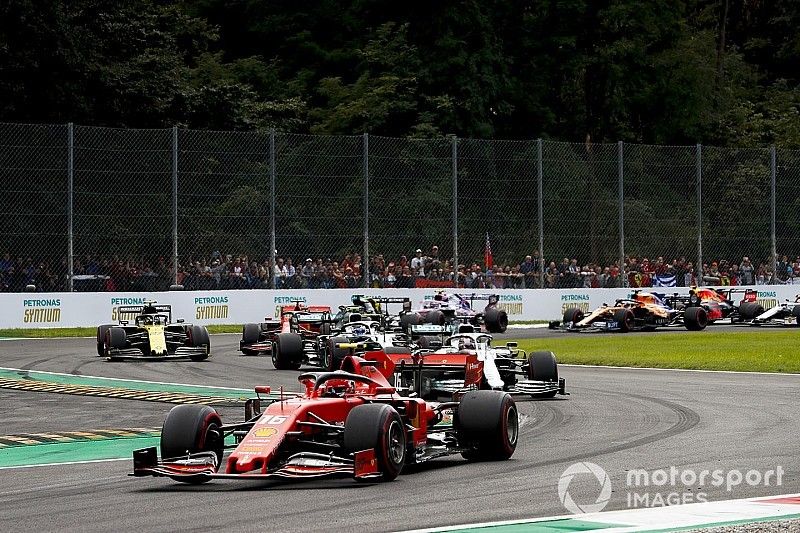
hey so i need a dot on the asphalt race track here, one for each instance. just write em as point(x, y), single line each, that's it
point(617, 418)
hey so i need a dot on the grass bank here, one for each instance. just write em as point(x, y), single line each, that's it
point(748, 349)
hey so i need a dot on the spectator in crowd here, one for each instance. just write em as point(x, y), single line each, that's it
point(418, 264)
point(530, 272)
point(746, 272)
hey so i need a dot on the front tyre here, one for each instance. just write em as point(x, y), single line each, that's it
point(287, 354)
point(695, 318)
point(378, 427)
point(542, 366)
point(197, 337)
point(190, 429)
point(488, 425)
point(496, 320)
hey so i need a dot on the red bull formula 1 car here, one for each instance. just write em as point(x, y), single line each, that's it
point(291, 339)
point(351, 422)
point(720, 304)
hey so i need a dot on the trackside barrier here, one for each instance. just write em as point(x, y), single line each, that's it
point(52, 310)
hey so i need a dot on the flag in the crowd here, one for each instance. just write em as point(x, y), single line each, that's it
point(487, 254)
point(664, 280)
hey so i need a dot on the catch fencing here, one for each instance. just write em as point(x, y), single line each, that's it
point(89, 208)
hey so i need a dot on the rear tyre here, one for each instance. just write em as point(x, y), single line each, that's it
point(488, 424)
point(496, 320)
point(435, 317)
point(325, 328)
point(101, 338)
point(573, 314)
point(336, 355)
point(624, 319)
point(427, 342)
point(198, 338)
point(410, 319)
point(287, 354)
point(397, 350)
point(251, 333)
point(378, 427)
point(695, 318)
point(750, 310)
point(542, 366)
point(192, 429)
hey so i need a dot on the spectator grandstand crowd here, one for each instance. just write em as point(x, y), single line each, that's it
point(423, 269)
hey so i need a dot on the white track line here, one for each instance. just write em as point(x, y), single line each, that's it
point(68, 463)
point(745, 372)
point(123, 379)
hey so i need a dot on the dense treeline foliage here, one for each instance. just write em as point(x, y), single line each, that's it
point(662, 71)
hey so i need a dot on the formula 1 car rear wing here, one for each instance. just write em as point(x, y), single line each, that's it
point(384, 300)
point(138, 310)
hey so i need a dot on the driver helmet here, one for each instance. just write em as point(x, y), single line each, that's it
point(360, 330)
point(466, 343)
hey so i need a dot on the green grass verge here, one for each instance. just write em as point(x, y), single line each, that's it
point(91, 332)
point(747, 349)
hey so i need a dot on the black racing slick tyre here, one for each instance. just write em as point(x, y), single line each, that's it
point(251, 333)
point(379, 427)
point(428, 342)
point(101, 338)
point(325, 328)
point(192, 429)
point(287, 354)
point(750, 310)
point(116, 338)
point(435, 317)
point(496, 320)
point(397, 350)
point(624, 319)
point(336, 355)
point(542, 366)
point(573, 315)
point(488, 424)
point(410, 319)
point(695, 318)
point(197, 337)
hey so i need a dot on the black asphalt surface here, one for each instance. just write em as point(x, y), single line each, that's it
point(617, 418)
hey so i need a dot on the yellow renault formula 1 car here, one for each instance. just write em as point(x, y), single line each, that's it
point(152, 336)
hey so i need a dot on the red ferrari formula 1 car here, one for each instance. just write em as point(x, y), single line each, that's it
point(349, 423)
point(292, 338)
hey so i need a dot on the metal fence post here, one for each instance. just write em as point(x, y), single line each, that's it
point(365, 262)
point(773, 173)
point(699, 173)
point(540, 209)
point(272, 236)
point(621, 191)
point(70, 187)
point(454, 142)
point(175, 204)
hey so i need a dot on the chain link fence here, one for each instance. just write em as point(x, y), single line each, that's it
point(99, 209)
